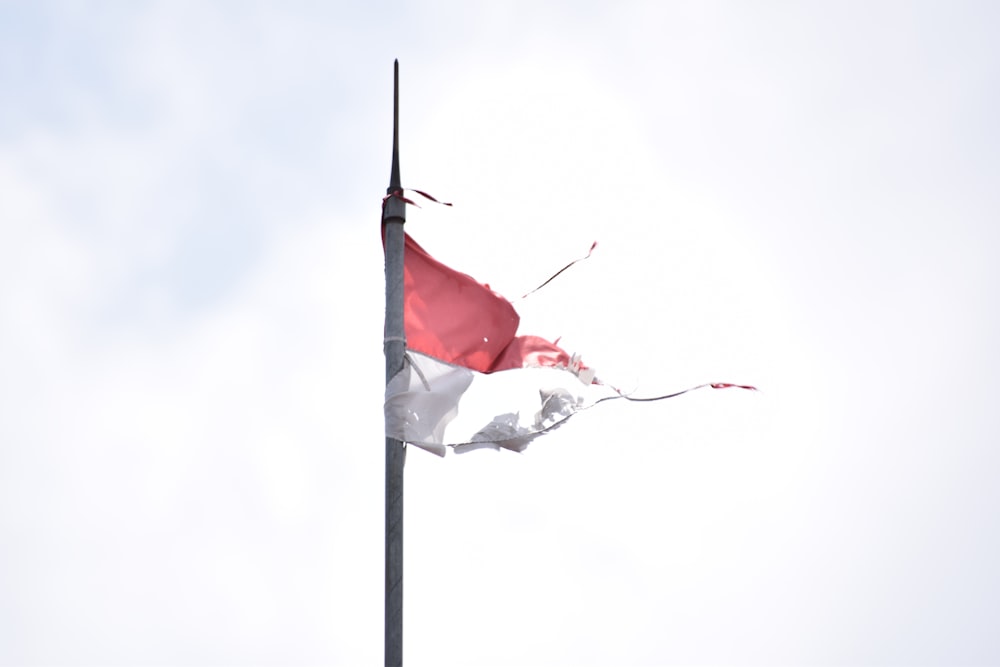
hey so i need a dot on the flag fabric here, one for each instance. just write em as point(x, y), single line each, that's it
point(452, 317)
point(462, 349)
point(462, 336)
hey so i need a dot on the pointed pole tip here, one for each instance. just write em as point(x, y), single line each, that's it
point(395, 207)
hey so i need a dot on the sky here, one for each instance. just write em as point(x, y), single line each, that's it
point(798, 196)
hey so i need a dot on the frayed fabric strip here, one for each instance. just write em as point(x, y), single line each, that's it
point(435, 405)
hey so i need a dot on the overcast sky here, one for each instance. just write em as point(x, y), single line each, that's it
point(799, 196)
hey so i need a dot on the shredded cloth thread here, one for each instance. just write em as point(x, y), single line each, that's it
point(713, 385)
point(398, 194)
point(556, 274)
point(619, 394)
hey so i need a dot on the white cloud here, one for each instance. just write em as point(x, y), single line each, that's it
point(190, 300)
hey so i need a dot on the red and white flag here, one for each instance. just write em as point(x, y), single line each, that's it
point(459, 333)
point(462, 348)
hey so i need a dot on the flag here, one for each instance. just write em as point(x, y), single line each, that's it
point(461, 336)
point(462, 349)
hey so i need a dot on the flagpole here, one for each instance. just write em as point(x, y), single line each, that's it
point(393, 217)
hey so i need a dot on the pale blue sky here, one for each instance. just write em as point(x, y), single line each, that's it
point(798, 196)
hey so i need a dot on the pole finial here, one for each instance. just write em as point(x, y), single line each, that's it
point(394, 206)
point(394, 181)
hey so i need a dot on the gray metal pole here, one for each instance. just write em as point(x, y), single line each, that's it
point(393, 217)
